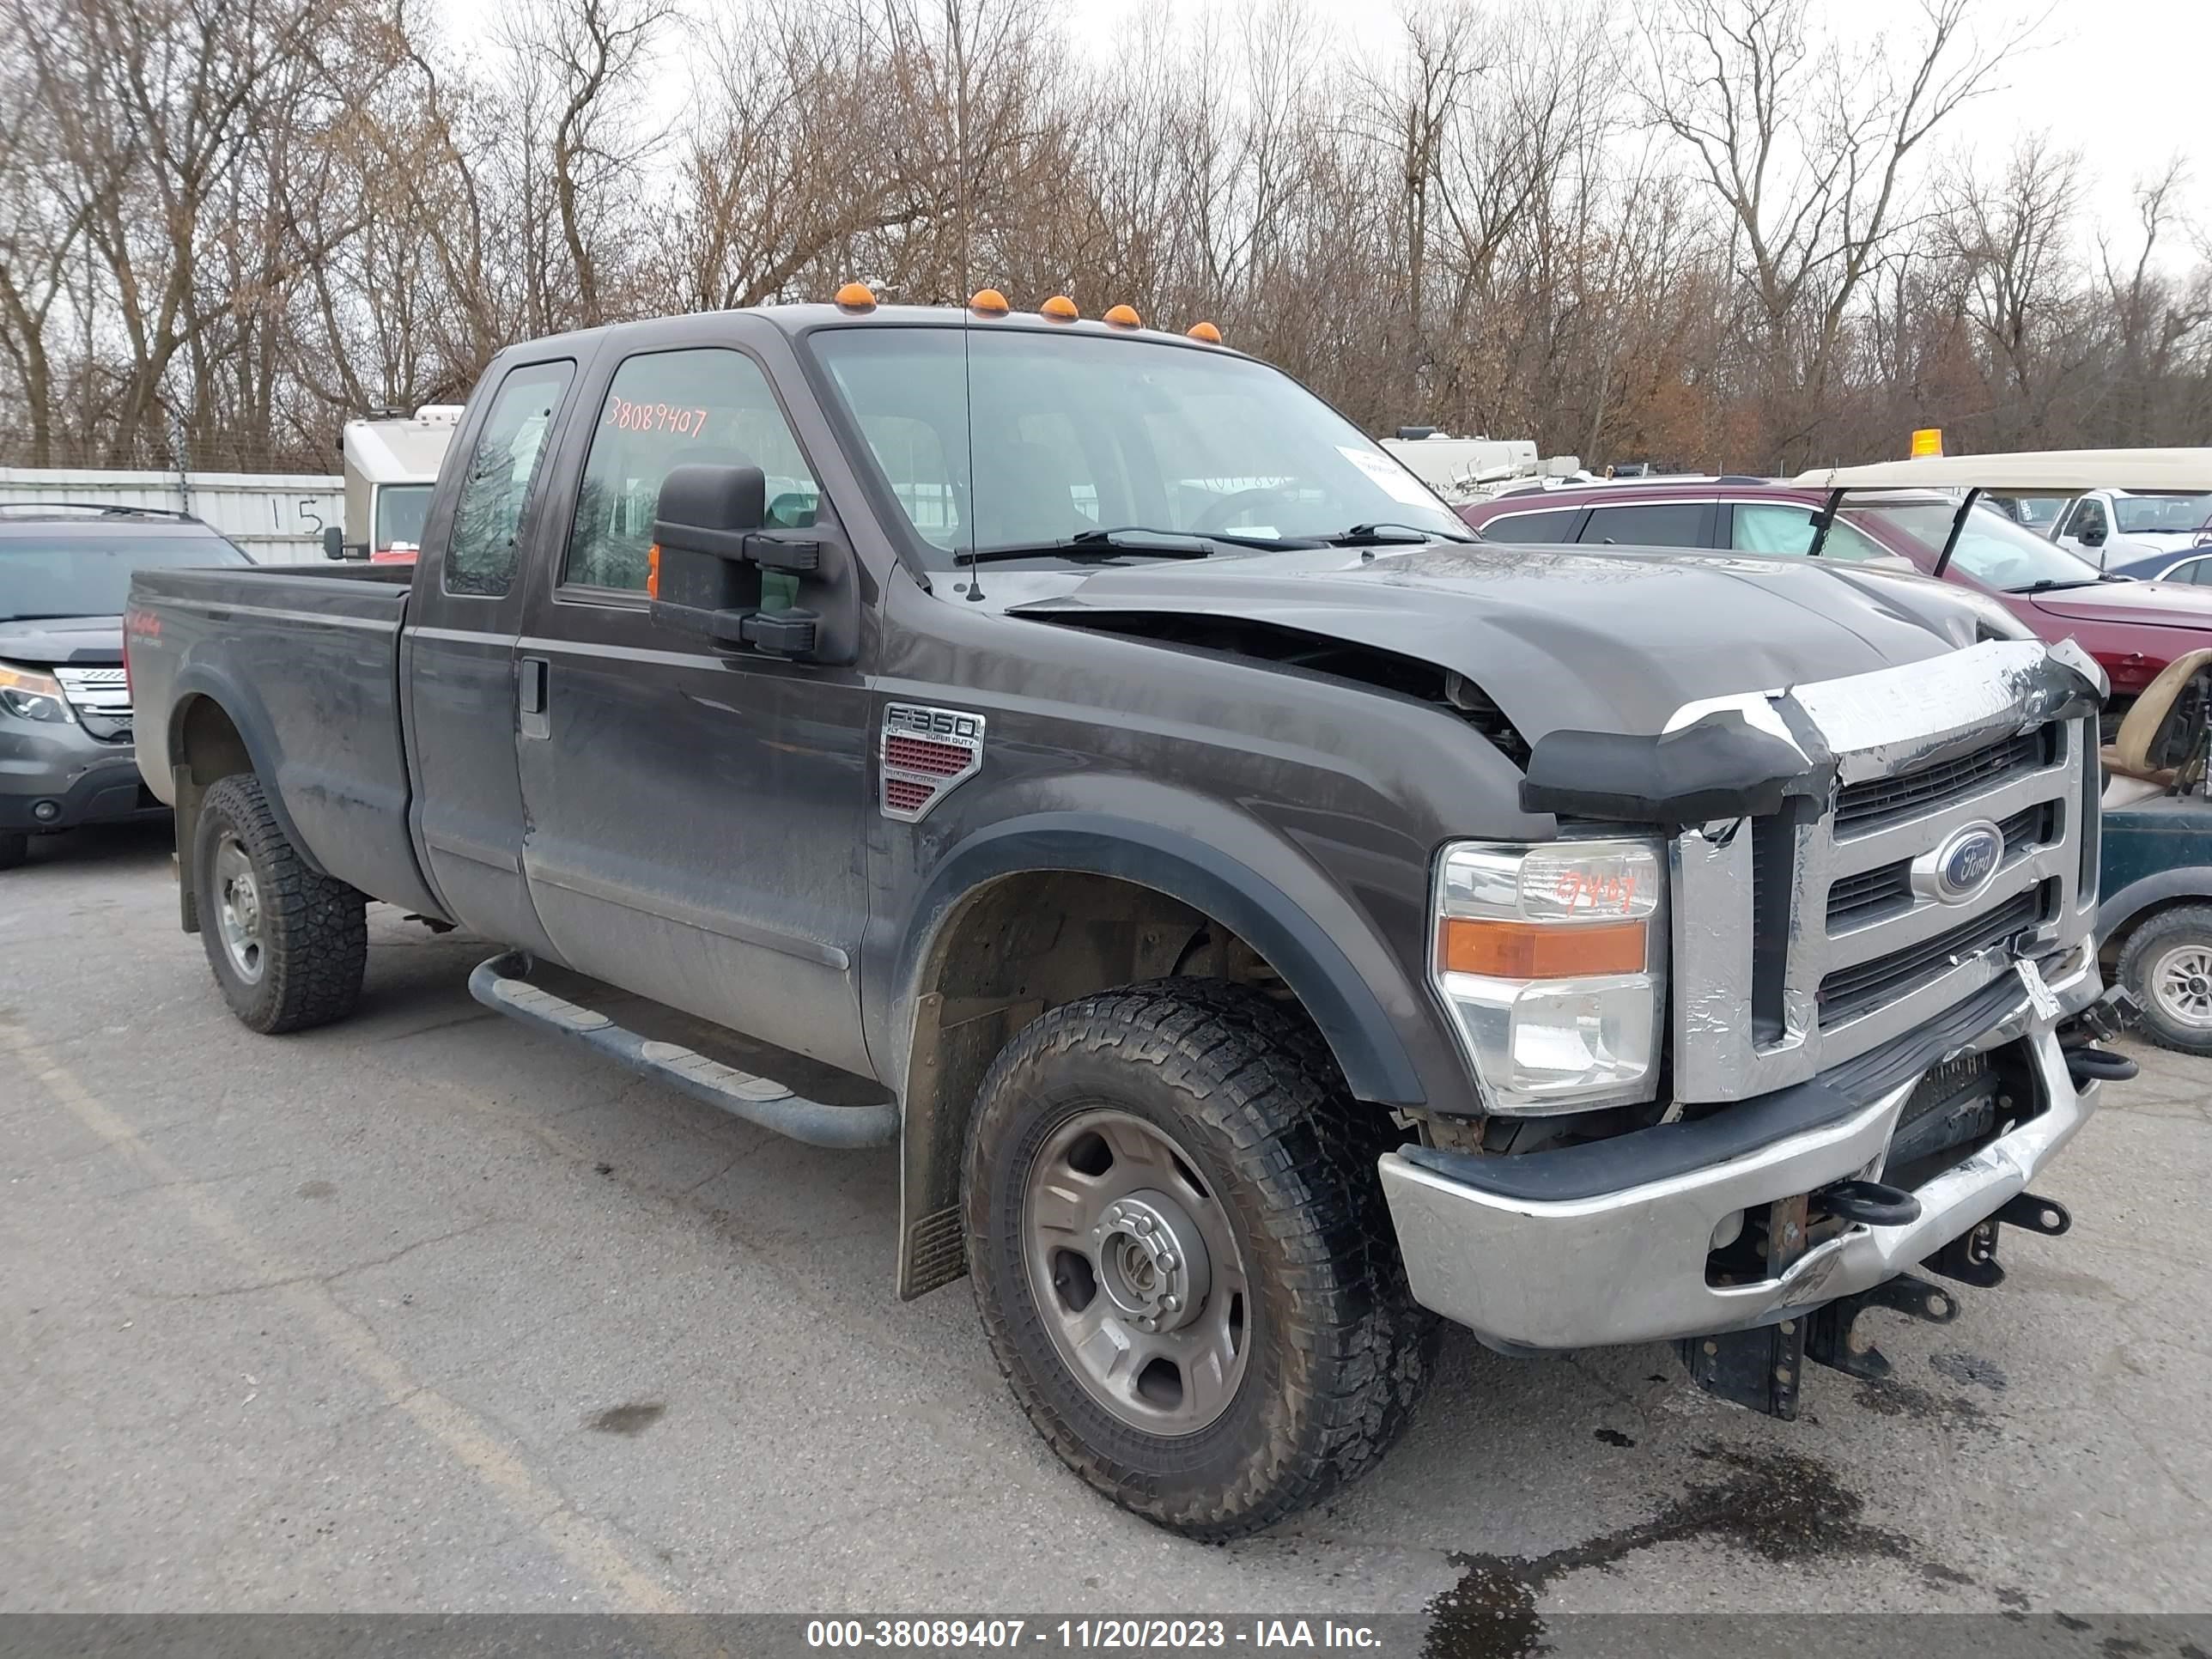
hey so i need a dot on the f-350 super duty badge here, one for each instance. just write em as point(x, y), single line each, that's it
point(927, 753)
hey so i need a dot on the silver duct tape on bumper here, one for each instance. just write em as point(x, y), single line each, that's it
point(1630, 1266)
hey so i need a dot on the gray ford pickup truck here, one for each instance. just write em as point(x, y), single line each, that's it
point(1268, 917)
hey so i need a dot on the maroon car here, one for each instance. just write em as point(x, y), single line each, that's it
point(2133, 627)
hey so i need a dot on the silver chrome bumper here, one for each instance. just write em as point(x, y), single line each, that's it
point(1629, 1266)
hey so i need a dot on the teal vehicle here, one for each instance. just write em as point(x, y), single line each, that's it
point(2154, 862)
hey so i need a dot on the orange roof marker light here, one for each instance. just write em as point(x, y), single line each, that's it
point(1124, 317)
point(1060, 309)
point(1207, 332)
point(1928, 441)
point(989, 302)
point(856, 296)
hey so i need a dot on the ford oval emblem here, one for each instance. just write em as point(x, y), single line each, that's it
point(1964, 865)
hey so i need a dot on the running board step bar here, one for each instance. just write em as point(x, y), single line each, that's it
point(502, 985)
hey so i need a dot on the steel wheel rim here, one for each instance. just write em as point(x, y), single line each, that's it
point(238, 910)
point(1147, 1231)
point(2181, 985)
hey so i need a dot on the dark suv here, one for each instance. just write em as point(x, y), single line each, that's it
point(66, 758)
point(2134, 629)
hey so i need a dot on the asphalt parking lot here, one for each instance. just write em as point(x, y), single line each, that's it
point(421, 1312)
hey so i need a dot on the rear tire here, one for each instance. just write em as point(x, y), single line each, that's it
point(286, 944)
point(14, 847)
point(1299, 1352)
point(2167, 966)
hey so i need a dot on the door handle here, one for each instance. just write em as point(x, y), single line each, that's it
point(531, 698)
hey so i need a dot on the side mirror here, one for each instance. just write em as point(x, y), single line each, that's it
point(333, 542)
point(2093, 535)
point(709, 550)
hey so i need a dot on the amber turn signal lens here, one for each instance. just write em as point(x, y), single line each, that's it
point(989, 301)
point(1123, 317)
point(1206, 331)
point(856, 296)
point(1528, 950)
point(653, 571)
point(1060, 309)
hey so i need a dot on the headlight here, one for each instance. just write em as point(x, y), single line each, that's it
point(1552, 958)
point(32, 696)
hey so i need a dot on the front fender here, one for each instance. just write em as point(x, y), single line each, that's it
point(1273, 897)
point(1346, 979)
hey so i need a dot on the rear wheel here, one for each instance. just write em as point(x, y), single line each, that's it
point(1182, 1257)
point(2167, 968)
point(14, 847)
point(287, 944)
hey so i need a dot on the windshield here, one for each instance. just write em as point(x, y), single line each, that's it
point(1992, 549)
point(400, 510)
point(2175, 514)
point(1076, 432)
point(89, 575)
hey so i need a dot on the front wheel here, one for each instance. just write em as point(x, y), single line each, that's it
point(1182, 1257)
point(288, 943)
point(2167, 968)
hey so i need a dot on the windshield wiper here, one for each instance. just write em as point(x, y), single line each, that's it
point(1388, 533)
point(2049, 585)
point(1093, 545)
point(55, 616)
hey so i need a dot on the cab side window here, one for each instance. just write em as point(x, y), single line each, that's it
point(480, 555)
point(2088, 521)
point(710, 405)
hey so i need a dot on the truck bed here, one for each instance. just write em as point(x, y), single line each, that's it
point(305, 660)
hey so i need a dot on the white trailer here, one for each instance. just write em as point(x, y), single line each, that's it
point(1464, 470)
point(274, 518)
point(391, 463)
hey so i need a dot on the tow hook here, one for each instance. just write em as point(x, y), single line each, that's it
point(1831, 1336)
point(2087, 1064)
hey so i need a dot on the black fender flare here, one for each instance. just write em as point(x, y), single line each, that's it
point(1313, 964)
point(2120, 910)
point(1179, 865)
point(244, 711)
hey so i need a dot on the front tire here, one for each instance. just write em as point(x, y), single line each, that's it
point(287, 944)
point(1182, 1257)
point(14, 847)
point(2167, 967)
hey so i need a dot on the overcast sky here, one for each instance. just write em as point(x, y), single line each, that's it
point(2128, 83)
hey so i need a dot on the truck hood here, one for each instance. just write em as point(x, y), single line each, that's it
point(2157, 605)
point(1565, 640)
point(48, 640)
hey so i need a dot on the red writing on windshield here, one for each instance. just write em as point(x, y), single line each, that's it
point(628, 417)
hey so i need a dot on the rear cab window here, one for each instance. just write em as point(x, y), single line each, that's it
point(480, 553)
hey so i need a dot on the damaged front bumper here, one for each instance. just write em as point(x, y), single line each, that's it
point(1612, 1241)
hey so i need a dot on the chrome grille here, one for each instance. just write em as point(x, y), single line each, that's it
point(1862, 807)
point(1850, 991)
point(102, 698)
point(1808, 940)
